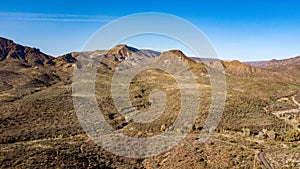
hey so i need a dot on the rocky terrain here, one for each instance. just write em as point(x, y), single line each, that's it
point(39, 127)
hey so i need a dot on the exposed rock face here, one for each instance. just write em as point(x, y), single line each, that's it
point(34, 57)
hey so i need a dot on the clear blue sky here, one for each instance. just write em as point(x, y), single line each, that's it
point(244, 30)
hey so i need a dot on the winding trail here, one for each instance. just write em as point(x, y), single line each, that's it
point(261, 157)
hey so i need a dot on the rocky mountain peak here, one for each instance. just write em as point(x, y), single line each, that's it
point(122, 50)
point(179, 54)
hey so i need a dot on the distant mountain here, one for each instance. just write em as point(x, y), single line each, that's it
point(122, 52)
point(290, 68)
point(274, 63)
point(236, 67)
point(282, 64)
point(256, 63)
point(9, 50)
point(181, 55)
point(13, 55)
point(198, 69)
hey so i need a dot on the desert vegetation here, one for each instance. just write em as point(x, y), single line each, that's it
point(39, 127)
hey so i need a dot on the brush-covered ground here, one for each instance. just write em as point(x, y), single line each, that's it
point(39, 127)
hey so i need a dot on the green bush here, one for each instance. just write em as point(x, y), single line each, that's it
point(292, 135)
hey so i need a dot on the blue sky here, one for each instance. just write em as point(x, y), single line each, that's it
point(238, 29)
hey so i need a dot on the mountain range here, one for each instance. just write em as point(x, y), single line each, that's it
point(39, 127)
point(12, 54)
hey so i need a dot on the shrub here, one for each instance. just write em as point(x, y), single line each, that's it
point(292, 135)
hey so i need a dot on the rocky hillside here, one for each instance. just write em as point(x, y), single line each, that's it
point(9, 51)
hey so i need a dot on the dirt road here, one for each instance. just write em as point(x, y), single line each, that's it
point(261, 157)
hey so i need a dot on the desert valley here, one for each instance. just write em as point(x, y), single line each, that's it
point(260, 126)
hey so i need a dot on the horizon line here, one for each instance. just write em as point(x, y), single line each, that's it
point(156, 50)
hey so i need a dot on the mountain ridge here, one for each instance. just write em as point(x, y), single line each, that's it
point(11, 51)
point(33, 56)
